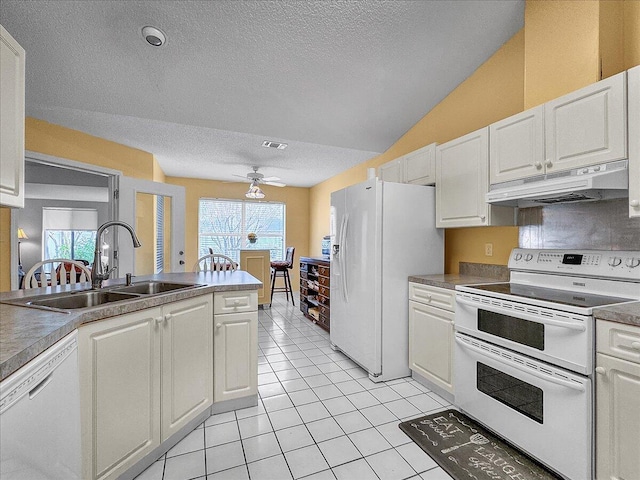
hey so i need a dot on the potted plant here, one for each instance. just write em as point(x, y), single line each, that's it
point(252, 237)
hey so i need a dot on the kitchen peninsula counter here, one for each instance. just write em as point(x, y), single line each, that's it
point(25, 332)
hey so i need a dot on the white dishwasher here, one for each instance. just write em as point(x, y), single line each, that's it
point(40, 417)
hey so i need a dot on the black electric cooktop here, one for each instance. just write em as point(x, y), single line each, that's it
point(562, 297)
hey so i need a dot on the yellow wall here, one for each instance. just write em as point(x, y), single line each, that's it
point(560, 49)
point(493, 92)
point(58, 141)
point(297, 214)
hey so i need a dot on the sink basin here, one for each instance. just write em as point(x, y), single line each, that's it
point(154, 288)
point(81, 300)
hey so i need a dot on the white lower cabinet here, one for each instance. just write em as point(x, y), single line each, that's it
point(143, 376)
point(617, 401)
point(431, 334)
point(235, 347)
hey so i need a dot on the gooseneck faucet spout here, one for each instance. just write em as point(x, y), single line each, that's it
point(97, 275)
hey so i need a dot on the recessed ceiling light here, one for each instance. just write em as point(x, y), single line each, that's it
point(279, 146)
point(153, 36)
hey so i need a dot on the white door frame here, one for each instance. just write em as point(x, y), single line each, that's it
point(44, 159)
point(127, 190)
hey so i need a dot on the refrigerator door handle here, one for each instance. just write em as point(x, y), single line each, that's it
point(343, 266)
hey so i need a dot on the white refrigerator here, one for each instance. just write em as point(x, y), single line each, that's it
point(381, 232)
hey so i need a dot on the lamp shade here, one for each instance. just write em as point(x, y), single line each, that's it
point(22, 235)
point(254, 191)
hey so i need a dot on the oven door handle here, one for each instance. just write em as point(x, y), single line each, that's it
point(522, 315)
point(535, 373)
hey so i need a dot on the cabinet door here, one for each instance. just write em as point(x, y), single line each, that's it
point(11, 121)
point(462, 180)
point(235, 356)
point(634, 141)
point(420, 166)
point(258, 264)
point(516, 146)
point(187, 361)
point(588, 126)
point(120, 391)
point(392, 171)
point(431, 344)
point(617, 418)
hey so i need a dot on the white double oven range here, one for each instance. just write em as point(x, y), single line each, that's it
point(524, 350)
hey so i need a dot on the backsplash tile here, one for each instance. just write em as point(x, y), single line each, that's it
point(591, 225)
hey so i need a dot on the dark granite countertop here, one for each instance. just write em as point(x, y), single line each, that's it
point(628, 313)
point(470, 274)
point(450, 280)
point(25, 332)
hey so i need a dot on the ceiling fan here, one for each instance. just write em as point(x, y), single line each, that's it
point(256, 179)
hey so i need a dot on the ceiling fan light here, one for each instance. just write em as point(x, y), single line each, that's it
point(254, 191)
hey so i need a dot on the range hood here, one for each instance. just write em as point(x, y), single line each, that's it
point(585, 184)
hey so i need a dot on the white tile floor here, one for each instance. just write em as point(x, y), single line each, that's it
point(318, 417)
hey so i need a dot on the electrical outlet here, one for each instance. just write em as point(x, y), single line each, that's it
point(488, 249)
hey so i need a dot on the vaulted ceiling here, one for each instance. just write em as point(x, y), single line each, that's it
point(338, 81)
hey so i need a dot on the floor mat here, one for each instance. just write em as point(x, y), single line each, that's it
point(467, 451)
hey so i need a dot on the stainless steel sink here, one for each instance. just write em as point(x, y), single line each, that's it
point(154, 288)
point(87, 299)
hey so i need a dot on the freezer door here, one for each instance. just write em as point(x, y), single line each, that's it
point(356, 274)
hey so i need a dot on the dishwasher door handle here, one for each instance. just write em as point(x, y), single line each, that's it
point(38, 388)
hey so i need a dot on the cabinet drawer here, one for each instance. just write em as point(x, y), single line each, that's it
point(618, 340)
point(435, 296)
point(303, 290)
point(303, 274)
point(323, 270)
point(324, 310)
point(324, 300)
point(324, 291)
point(235, 302)
point(324, 281)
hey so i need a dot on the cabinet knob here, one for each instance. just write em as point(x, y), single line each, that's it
point(168, 317)
point(236, 302)
point(159, 320)
point(635, 345)
point(548, 163)
point(601, 370)
point(634, 203)
point(218, 325)
point(482, 217)
point(538, 165)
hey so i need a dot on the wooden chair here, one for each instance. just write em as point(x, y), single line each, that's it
point(60, 275)
point(215, 262)
point(282, 269)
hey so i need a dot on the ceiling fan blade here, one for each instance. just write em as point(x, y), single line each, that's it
point(239, 176)
point(275, 184)
point(270, 179)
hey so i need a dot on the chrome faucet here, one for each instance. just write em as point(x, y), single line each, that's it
point(97, 275)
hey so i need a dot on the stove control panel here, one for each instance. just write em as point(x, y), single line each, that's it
point(590, 263)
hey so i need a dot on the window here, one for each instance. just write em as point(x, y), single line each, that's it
point(225, 224)
point(69, 233)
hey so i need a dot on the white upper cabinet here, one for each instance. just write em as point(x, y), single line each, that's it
point(583, 128)
point(517, 146)
point(11, 121)
point(634, 141)
point(417, 167)
point(462, 180)
point(588, 126)
point(392, 171)
point(420, 166)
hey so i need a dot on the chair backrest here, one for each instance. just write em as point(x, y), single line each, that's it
point(60, 274)
point(215, 263)
point(289, 256)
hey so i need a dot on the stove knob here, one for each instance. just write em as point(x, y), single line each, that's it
point(528, 257)
point(615, 261)
point(632, 262)
point(517, 256)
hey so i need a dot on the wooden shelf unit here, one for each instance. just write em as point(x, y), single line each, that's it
point(314, 290)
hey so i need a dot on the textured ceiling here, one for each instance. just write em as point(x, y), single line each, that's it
point(339, 81)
